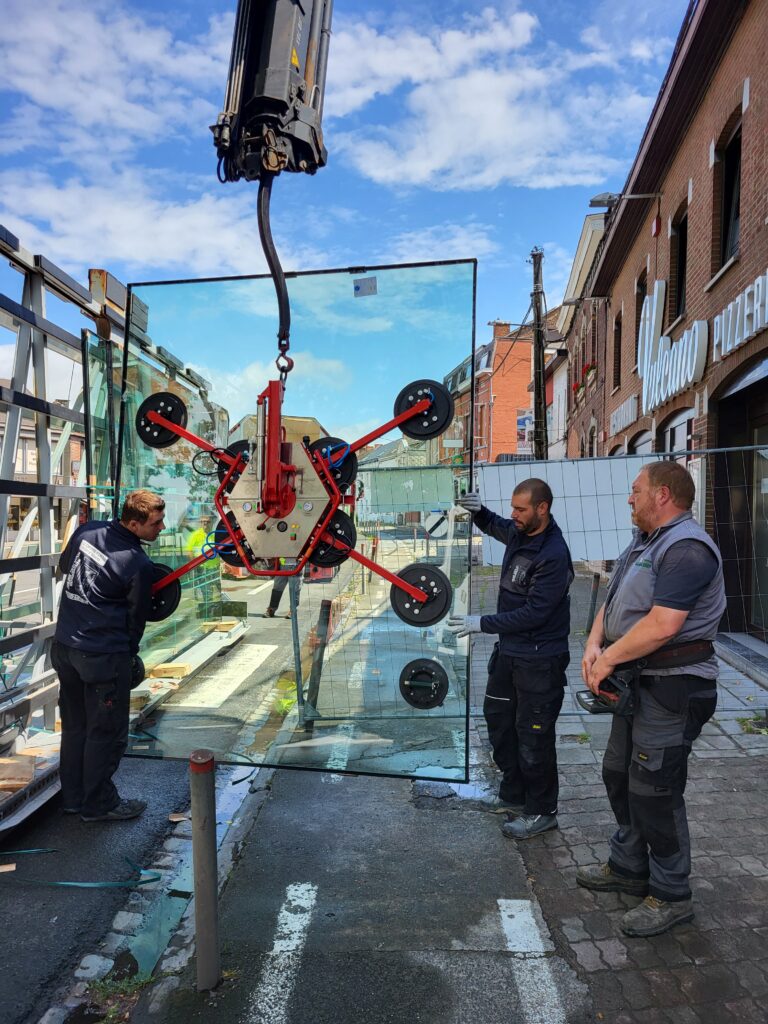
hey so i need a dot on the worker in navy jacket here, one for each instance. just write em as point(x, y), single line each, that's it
point(104, 606)
point(526, 672)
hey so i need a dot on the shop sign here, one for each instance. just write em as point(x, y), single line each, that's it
point(622, 417)
point(667, 367)
point(741, 319)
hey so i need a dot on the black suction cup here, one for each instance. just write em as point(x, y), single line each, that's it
point(343, 468)
point(424, 684)
point(238, 448)
point(171, 408)
point(165, 601)
point(434, 420)
point(342, 528)
point(435, 585)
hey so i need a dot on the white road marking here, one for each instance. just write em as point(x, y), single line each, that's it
point(339, 755)
point(239, 665)
point(536, 988)
point(257, 590)
point(267, 1004)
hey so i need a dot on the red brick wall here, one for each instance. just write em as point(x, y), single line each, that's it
point(745, 58)
point(511, 377)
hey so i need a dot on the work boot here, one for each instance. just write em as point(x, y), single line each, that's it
point(528, 825)
point(496, 805)
point(600, 878)
point(653, 916)
point(124, 811)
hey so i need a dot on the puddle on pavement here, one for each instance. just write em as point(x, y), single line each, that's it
point(472, 790)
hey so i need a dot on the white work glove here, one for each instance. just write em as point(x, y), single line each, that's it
point(470, 502)
point(463, 625)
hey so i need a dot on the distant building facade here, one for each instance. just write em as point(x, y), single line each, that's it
point(669, 345)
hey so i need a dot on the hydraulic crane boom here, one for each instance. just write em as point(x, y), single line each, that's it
point(273, 106)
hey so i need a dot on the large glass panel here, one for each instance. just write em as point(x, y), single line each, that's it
point(325, 675)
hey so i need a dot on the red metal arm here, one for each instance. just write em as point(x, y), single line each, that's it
point(415, 410)
point(161, 421)
point(178, 573)
point(397, 581)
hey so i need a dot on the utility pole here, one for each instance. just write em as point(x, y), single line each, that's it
point(540, 442)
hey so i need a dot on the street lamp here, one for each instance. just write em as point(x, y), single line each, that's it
point(610, 199)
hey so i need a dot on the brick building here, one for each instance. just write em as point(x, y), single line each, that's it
point(675, 306)
point(503, 401)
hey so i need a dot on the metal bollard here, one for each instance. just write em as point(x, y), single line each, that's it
point(202, 779)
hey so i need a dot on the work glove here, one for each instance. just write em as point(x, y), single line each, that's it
point(463, 625)
point(470, 502)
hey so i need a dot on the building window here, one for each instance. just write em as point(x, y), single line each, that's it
point(640, 293)
point(726, 212)
point(593, 337)
point(581, 447)
point(617, 352)
point(675, 435)
point(678, 265)
point(731, 197)
point(583, 348)
point(592, 450)
point(641, 444)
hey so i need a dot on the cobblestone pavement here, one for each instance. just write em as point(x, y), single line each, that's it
point(711, 970)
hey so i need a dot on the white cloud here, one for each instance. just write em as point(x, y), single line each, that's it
point(441, 242)
point(495, 101)
point(130, 221)
point(368, 63)
point(556, 269)
point(312, 375)
point(117, 78)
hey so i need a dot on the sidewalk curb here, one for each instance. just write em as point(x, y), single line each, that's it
point(170, 860)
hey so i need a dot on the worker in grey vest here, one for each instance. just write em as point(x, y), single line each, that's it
point(662, 611)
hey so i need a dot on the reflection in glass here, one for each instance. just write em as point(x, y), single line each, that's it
point(334, 680)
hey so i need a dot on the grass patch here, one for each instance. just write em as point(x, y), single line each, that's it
point(755, 726)
point(583, 737)
point(115, 998)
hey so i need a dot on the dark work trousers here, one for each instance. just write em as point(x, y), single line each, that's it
point(522, 701)
point(645, 769)
point(94, 703)
point(281, 582)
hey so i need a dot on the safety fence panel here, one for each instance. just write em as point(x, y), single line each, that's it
point(591, 507)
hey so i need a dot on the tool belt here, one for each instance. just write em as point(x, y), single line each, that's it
point(616, 693)
point(673, 656)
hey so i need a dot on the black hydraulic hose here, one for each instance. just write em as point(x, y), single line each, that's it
point(273, 262)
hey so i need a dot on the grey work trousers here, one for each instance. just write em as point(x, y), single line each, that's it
point(645, 770)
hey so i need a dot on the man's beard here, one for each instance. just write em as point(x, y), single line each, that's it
point(531, 527)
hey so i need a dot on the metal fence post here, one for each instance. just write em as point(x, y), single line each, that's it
point(592, 602)
point(202, 780)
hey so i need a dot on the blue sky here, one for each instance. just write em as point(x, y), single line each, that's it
point(454, 130)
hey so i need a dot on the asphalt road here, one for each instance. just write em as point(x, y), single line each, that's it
point(47, 930)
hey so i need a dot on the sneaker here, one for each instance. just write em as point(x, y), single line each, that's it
point(600, 878)
point(653, 916)
point(124, 811)
point(270, 613)
point(528, 825)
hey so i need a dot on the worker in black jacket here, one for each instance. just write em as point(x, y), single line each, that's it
point(526, 672)
point(102, 614)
